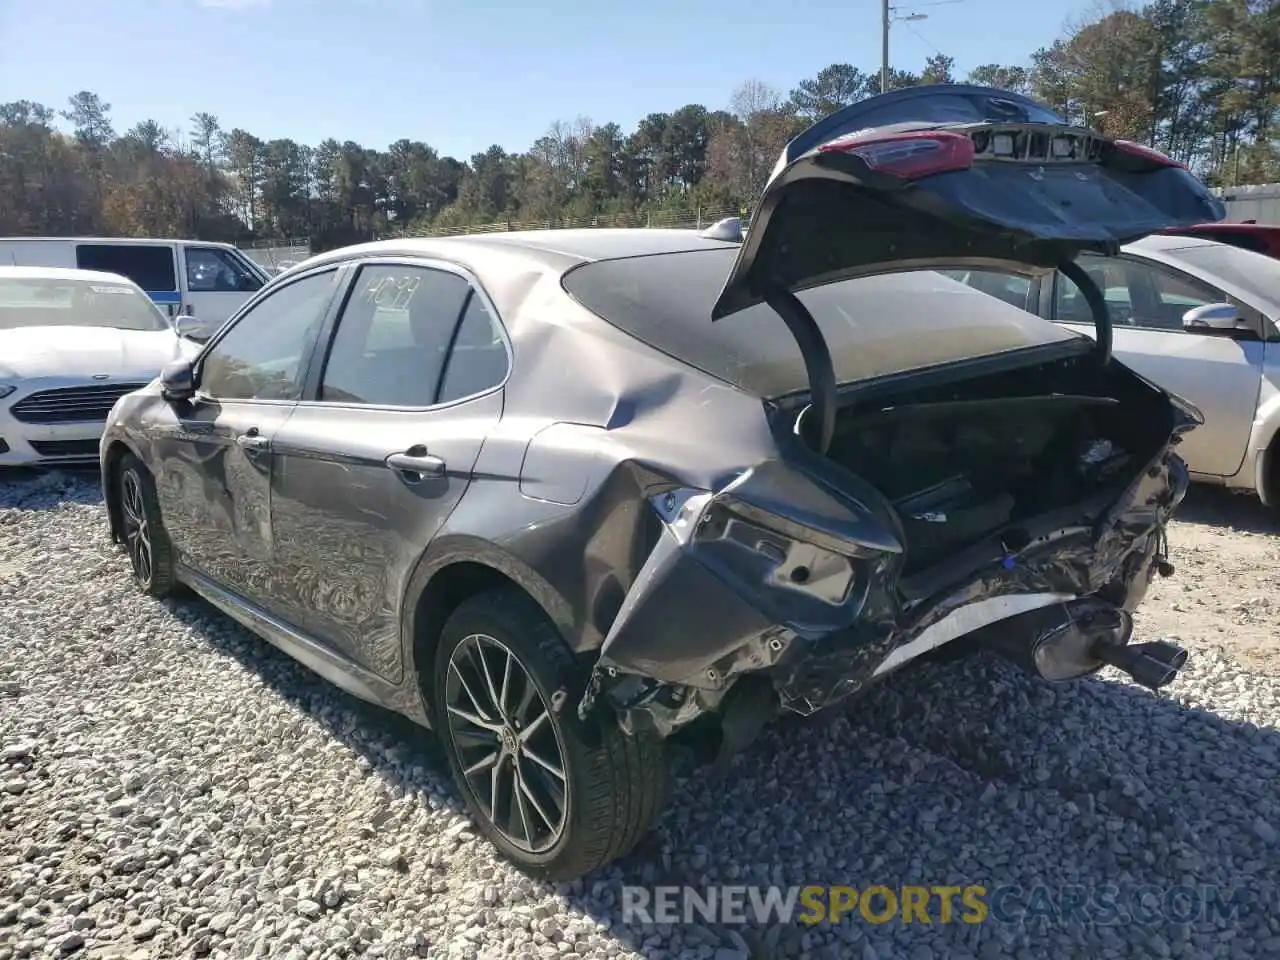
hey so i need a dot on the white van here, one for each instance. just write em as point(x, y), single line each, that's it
point(207, 281)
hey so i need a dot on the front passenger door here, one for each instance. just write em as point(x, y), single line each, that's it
point(215, 456)
point(1220, 374)
point(373, 461)
point(217, 284)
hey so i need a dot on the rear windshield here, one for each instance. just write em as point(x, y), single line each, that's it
point(873, 326)
point(41, 302)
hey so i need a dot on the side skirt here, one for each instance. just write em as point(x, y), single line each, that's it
point(311, 653)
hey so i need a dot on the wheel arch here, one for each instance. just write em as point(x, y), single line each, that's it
point(451, 571)
point(116, 451)
point(1267, 480)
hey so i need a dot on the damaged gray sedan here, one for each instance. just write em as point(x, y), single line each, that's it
point(563, 495)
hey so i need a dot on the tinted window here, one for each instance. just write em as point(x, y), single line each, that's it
point(1137, 294)
point(263, 357)
point(43, 302)
point(874, 326)
point(393, 336)
point(149, 266)
point(211, 270)
point(479, 357)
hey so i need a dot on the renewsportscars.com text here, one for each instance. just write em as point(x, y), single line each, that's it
point(1101, 905)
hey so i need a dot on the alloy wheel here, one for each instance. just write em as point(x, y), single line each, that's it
point(137, 531)
point(508, 745)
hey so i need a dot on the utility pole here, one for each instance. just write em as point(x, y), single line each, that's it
point(884, 47)
point(887, 17)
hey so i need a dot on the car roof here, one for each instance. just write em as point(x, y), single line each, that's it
point(63, 273)
point(1244, 226)
point(130, 241)
point(559, 249)
point(1168, 243)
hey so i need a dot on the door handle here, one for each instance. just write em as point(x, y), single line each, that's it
point(415, 464)
point(252, 440)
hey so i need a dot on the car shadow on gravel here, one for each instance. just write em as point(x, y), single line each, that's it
point(392, 743)
point(1080, 785)
point(960, 774)
point(1218, 507)
point(30, 489)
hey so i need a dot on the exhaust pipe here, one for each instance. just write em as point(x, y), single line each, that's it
point(1154, 664)
point(1072, 640)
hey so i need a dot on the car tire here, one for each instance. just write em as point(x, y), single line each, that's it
point(499, 646)
point(145, 541)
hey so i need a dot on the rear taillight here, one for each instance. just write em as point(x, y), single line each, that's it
point(909, 155)
point(1147, 153)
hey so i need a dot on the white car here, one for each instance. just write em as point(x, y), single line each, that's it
point(72, 342)
point(1201, 319)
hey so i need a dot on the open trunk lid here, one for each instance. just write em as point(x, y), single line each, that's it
point(952, 176)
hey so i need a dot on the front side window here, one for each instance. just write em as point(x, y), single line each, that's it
point(211, 270)
point(51, 302)
point(1137, 294)
point(150, 266)
point(393, 336)
point(263, 357)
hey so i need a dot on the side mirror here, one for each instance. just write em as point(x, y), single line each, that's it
point(177, 380)
point(189, 327)
point(1213, 318)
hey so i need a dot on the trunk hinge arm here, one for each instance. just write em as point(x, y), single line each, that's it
point(819, 426)
point(1097, 305)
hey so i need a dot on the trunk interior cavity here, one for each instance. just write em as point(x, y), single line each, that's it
point(964, 461)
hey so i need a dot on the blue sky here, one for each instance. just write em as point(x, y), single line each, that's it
point(464, 75)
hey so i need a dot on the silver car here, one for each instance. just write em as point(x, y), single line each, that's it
point(1200, 319)
point(561, 494)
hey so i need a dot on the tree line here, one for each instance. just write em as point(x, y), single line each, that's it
point(1198, 79)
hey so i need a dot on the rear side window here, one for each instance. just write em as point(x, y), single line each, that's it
point(478, 360)
point(393, 336)
point(150, 266)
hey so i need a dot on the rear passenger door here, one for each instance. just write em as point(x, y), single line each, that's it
point(382, 448)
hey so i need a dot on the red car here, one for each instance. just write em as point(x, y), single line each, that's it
point(1248, 234)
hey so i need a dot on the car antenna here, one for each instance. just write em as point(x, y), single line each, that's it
point(729, 229)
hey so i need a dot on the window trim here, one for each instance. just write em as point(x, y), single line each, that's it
point(315, 375)
point(1247, 312)
point(307, 362)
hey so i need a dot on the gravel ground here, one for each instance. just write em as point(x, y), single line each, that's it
point(171, 786)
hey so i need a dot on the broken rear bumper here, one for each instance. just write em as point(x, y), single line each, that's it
point(783, 576)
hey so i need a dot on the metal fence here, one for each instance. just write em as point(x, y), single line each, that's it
point(1259, 202)
point(681, 219)
point(276, 255)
